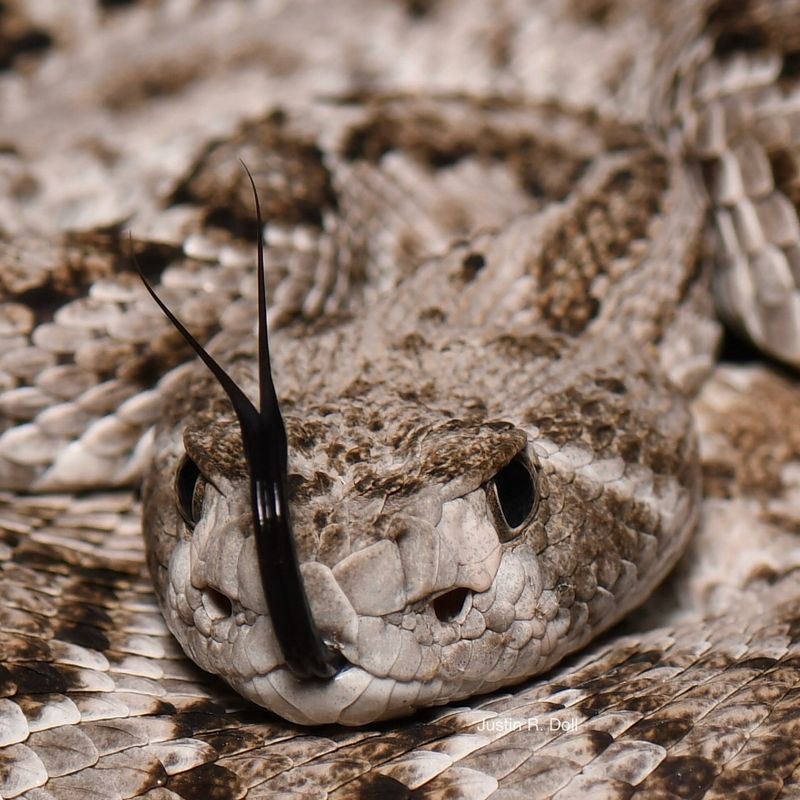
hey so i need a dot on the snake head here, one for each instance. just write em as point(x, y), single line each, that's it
point(392, 537)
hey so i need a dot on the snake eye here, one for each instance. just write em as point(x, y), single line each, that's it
point(513, 497)
point(189, 490)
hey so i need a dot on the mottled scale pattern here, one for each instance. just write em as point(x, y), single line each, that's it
point(488, 225)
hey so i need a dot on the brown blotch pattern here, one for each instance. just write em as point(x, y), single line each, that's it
point(756, 449)
point(543, 169)
point(294, 184)
point(601, 231)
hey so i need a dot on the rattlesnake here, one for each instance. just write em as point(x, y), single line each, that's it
point(482, 249)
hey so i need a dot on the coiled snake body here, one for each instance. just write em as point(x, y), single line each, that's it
point(491, 234)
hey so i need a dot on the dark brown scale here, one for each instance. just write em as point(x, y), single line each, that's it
point(278, 157)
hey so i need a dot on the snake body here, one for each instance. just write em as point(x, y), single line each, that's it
point(479, 254)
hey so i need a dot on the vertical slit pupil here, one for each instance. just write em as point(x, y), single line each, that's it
point(185, 483)
point(515, 492)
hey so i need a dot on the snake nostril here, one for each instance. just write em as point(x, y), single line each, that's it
point(217, 605)
point(450, 604)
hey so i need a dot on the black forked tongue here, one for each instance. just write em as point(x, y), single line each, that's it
point(266, 452)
